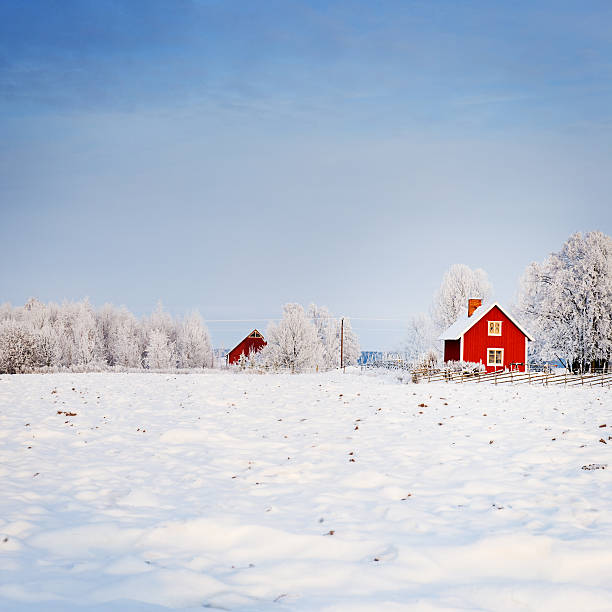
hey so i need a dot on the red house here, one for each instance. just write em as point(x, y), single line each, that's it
point(251, 344)
point(488, 335)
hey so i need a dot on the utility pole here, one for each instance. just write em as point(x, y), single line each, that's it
point(342, 343)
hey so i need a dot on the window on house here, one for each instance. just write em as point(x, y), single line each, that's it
point(495, 328)
point(255, 334)
point(495, 357)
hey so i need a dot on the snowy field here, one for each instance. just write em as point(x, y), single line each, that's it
point(313, 492)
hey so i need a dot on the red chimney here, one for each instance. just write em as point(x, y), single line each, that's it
point(473, 304)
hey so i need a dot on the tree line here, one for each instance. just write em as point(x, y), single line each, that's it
point(75, 335)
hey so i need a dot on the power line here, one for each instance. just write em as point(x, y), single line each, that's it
point(280, 318)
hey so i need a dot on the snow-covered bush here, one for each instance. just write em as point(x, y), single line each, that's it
point(470, 367)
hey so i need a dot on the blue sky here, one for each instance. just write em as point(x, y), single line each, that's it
point(233, 156)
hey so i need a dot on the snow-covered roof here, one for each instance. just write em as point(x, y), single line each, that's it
point(462, 324)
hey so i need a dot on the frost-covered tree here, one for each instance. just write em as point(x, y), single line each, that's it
point(193, 343)
point(162, 320)
point(48, 351)
point(351, 351)
point(106, 321)
point(76, 334)
point(459, 284)
point(293, 342)
point(567, 302)
point(327, 333)
point(35, 314)
point(17, 347)
point(422, 336)
point(159, 351)
point(87, 341)
point(125, 340)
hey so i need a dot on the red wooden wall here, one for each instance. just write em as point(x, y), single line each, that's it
point(247, 346)
point(452, 350)
point(476, 341)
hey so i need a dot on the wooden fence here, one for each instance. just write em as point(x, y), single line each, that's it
point(591, 379)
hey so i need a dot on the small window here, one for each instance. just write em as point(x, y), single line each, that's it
point(495, 357)
point(495, 328)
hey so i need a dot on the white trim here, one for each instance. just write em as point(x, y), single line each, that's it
point(461, 348)
point(526, 353)
point(494, 348)
point(477, 316)
point(489, 328)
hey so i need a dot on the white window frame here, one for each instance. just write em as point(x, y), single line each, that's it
point(489, 327)
point(494, 364)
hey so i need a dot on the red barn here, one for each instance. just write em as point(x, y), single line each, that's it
point(251, 344)
point(488, 335)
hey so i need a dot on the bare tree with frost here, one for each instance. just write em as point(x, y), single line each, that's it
point(459, 284)
point(421, 338)
point(352, 351)
point(327, 333)
point(17, 347)
point(567, 301)
point(74, 334)
point(126, 341)
point(193, 343)
point(159, 351)
point(87, 341)
point(293, 342)
point(47, 346)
